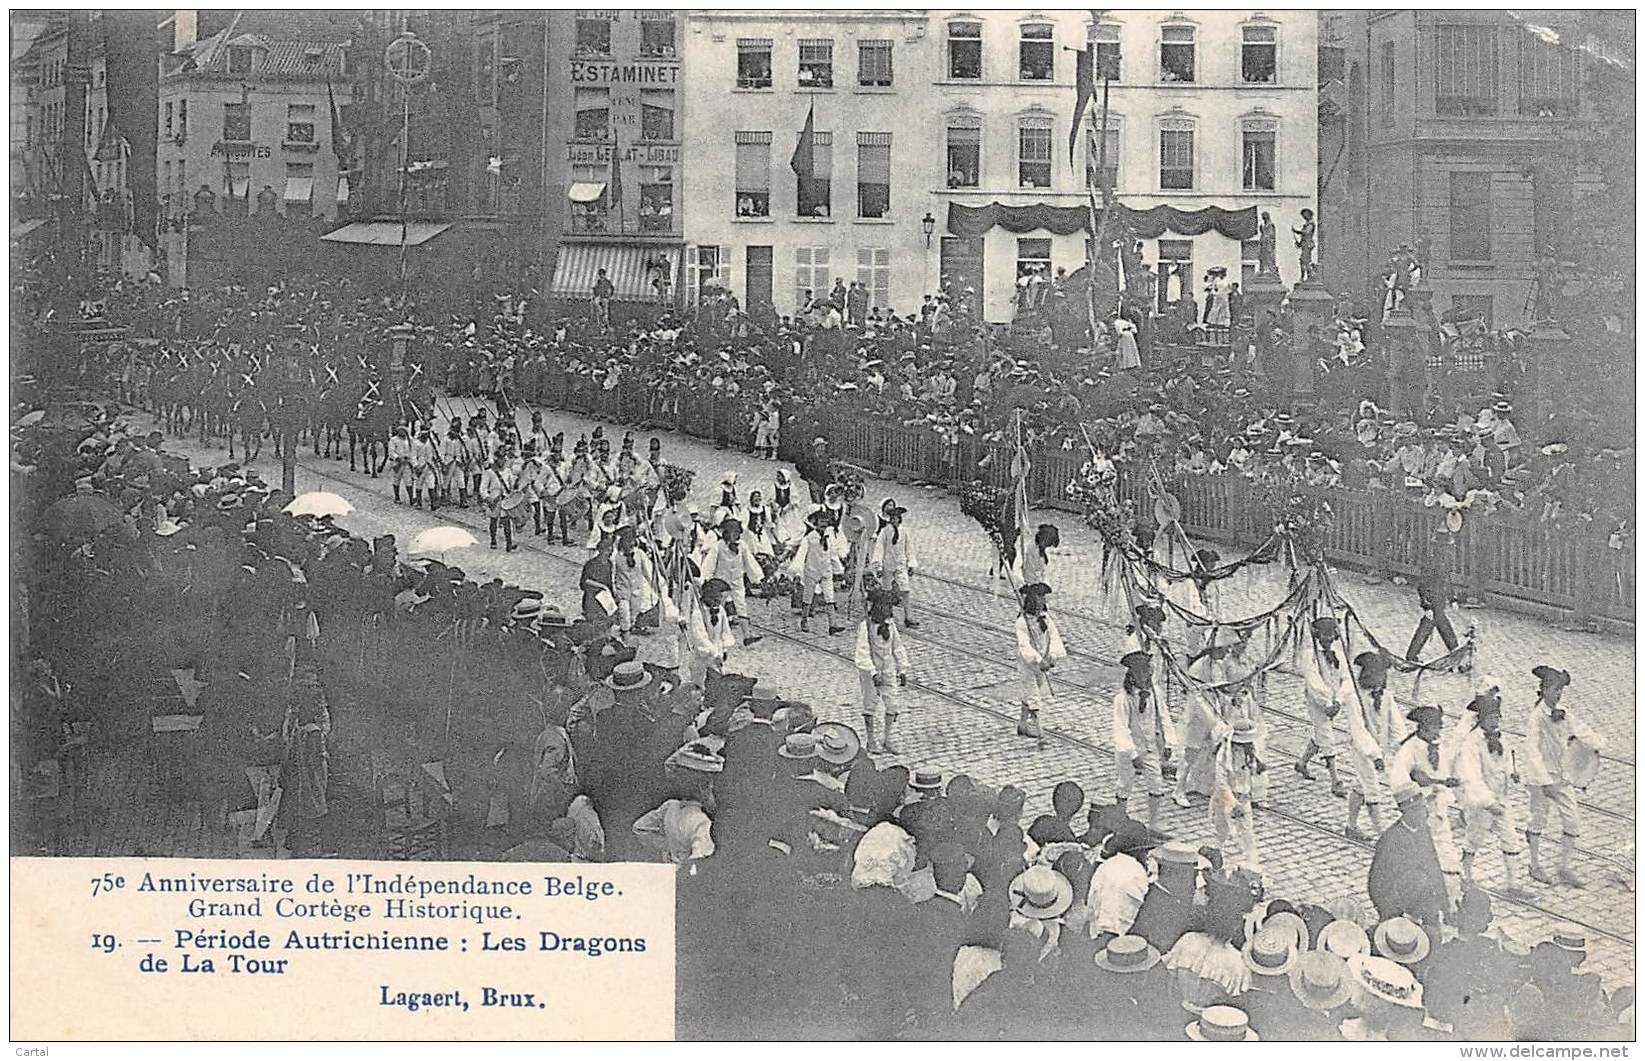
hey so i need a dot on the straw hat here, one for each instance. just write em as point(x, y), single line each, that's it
point(1320, 980)
point(1222, 1024)
point(837, 743)
point(1385, 980)
point(1402, 940)
point(1041, 893)
point(1344, 939)
point(1291, 923)
point(1128, 954)
point(1271, 951)
point(628, 676)
point(799, 746)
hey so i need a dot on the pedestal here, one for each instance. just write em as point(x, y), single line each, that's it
point(1263, 296)
point(1311, 308)
point(1547, 388)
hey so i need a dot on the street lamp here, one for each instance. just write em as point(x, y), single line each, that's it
point(928, 225)
point(293, 379)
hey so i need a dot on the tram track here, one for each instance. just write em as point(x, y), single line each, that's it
point(1099, 659)
point(463, 517)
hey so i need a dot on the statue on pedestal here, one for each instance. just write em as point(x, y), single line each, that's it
point(1397, 278)
point(1267, 248)
point(1305, 244)
point(1544, 285)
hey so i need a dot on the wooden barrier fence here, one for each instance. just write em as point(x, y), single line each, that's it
point(1518, 561)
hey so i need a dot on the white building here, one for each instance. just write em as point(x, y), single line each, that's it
point(1205, 109)
point(752, 77)
point(973, 111)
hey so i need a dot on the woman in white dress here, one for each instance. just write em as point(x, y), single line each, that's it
point(1128, 356)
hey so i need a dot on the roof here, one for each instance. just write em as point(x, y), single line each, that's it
point(283, 59)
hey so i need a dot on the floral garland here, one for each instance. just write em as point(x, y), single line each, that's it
point(1302, 517)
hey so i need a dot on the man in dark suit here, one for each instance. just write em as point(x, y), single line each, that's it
point(1169, 910)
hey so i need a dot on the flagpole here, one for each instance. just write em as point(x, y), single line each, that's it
point(1097, 224)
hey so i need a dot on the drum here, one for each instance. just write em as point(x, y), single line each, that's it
point(513, 500)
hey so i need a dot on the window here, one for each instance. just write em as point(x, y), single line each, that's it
point(753, 175)
point(1387, 78)
point(237, 182)
point(1471, 308)
point(964, 153)
point(182, 119)
point(1034, 154)
point(810, 274)
point(1250, 261)
point(1176, 158)
point(165, 180)
point(1465, 59)
point(299, 194)
point(589, 198)
point(657, 34)
point(1176, 53)
point(1105, 44)
point(753, 64)
point(170, 119)
point(1036, 52)
point(1257, 159)
point(1102, 160)
point(182, 177)
point(236, 122)
point(1174, 278)
point(593, 36)
point(300, 123)
point(1470, 217)
point(813, 196)
point(874, 64)
point(874, 274)
point(816, 64)
point(965, 51)
point(1259, 55)
point(656, 199)
point(1033, 256)
point(873, 175)
point(239, 59)
point(593, 114)
point(1548, 79)
point(657, 114)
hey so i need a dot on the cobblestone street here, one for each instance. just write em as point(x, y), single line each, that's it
point(960, 709)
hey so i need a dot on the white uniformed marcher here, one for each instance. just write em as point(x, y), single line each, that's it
point(882, 669)
point(893, 556)
point(1039, 648)
point(1485, 773)
point(1559, 754)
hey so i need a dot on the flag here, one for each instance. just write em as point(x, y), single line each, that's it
point(339, 136)
point(1084, 89)
point(617, 184)
point(804, 160)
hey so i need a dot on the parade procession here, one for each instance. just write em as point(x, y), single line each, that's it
point(1037, 633)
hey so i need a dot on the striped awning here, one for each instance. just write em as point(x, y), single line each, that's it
point(631, 268)
point(386, 233)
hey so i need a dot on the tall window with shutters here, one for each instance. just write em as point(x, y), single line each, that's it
point(874, 64)
point(753, 174)
point(1102, 160)
point(816, 64)
point(1037, 52)
point(1259, 55)
point(811, 276)
point(1549, 77)
point(753, 63)
point(874, 274)
point(1258, 139)
point(873, 175)
point(1176, 156)
point(964, 152)
point(656, 114)
point(593, 113)
point(1470, 216)
point(1176, 54)
point(814, 195)
point(1034, 153)
point(1105, 46)
point(1465, 71)
point(236, 122)
point(965, 51)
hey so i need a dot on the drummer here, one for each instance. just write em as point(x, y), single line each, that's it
point(1561, 756)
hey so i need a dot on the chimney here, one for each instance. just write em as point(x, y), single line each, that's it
point(185, 29)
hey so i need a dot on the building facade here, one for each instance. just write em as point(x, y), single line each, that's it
point(1205, 109)
point(758, 229)
point(614, 194)
point(245, 118)
point(1460, 134)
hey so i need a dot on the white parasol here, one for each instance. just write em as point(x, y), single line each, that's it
point(318, 503)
